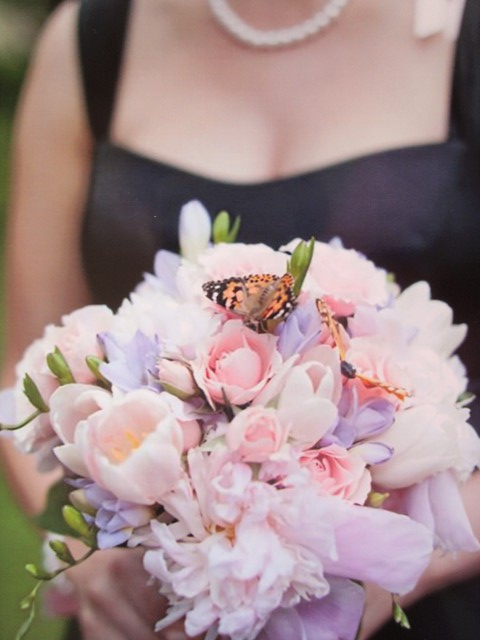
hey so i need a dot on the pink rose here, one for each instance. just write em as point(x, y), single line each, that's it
point(238, 364)
point(338, 472)
point(256, 433)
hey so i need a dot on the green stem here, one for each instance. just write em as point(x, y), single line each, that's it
point(20, 425)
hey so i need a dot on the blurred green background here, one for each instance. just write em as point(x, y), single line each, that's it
point(20, 21)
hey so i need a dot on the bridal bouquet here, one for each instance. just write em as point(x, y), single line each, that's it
point(274, 427)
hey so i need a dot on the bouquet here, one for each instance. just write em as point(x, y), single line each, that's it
point(273, 427)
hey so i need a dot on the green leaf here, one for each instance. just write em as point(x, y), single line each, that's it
point(30, 389)
point(222, 230)
point(59, 367)
point(51, 518)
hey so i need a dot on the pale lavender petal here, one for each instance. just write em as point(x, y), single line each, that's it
point(129, 362)
point(436, 502)
point(300, 331)
point(335, 617)
point(377, 546)
point(364, 420)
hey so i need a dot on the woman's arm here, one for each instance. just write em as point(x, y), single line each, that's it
point(44, 280)
point(50, 170)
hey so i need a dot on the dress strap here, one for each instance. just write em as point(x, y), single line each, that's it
point(102, 26)
point(466, 77)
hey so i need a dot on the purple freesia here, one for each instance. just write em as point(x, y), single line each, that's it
point(300, 331)
point(115, 519)
point(132, 362)
point(335, 617)
point(359, 421)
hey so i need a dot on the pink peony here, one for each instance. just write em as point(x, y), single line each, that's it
point(236, 365)
point(344, 278)
point(133, 447)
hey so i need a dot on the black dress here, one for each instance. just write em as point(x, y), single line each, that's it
point(413, 210)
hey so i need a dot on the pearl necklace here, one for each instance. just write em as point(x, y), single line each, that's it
point(271, 39)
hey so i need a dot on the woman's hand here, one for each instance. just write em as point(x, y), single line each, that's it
point(115, 601)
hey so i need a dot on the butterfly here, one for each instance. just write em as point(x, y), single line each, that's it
point(261, 300)
point(347, 368)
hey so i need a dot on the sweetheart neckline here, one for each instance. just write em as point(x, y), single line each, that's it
point(296, 176)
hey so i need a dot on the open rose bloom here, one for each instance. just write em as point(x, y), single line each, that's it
point(270, 448)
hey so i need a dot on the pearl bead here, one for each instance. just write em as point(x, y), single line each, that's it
point(270, 39)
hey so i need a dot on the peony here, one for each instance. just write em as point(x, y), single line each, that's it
point(132, 447)
point(344, 278)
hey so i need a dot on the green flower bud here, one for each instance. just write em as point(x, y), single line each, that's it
point(399, 615)
point(222, 231)
point(76, 521)
point(37, 572)
point(59, 367)
point(62, 551)
point(30, 389)
point(299, 263)
point(94, 363)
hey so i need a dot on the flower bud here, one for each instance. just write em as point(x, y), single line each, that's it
point(30, 389)
point(176, 378)
point(299, 263)
point(194, 230)
point(76, 521)
point(222, 231)
point(62, 551)
point(59, 367)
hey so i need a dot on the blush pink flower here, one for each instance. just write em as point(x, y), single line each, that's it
point(305, 393)
point(76, 338)
point(338, 472)
point(256, 433)
point(344, 278)
point(133, 447)
point(70, 405)
point(236, 365)
point(425, 440)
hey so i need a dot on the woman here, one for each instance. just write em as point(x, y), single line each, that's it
point(360, 130)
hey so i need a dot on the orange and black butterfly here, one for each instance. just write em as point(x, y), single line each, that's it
point(347, 368)
point(260, 300)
